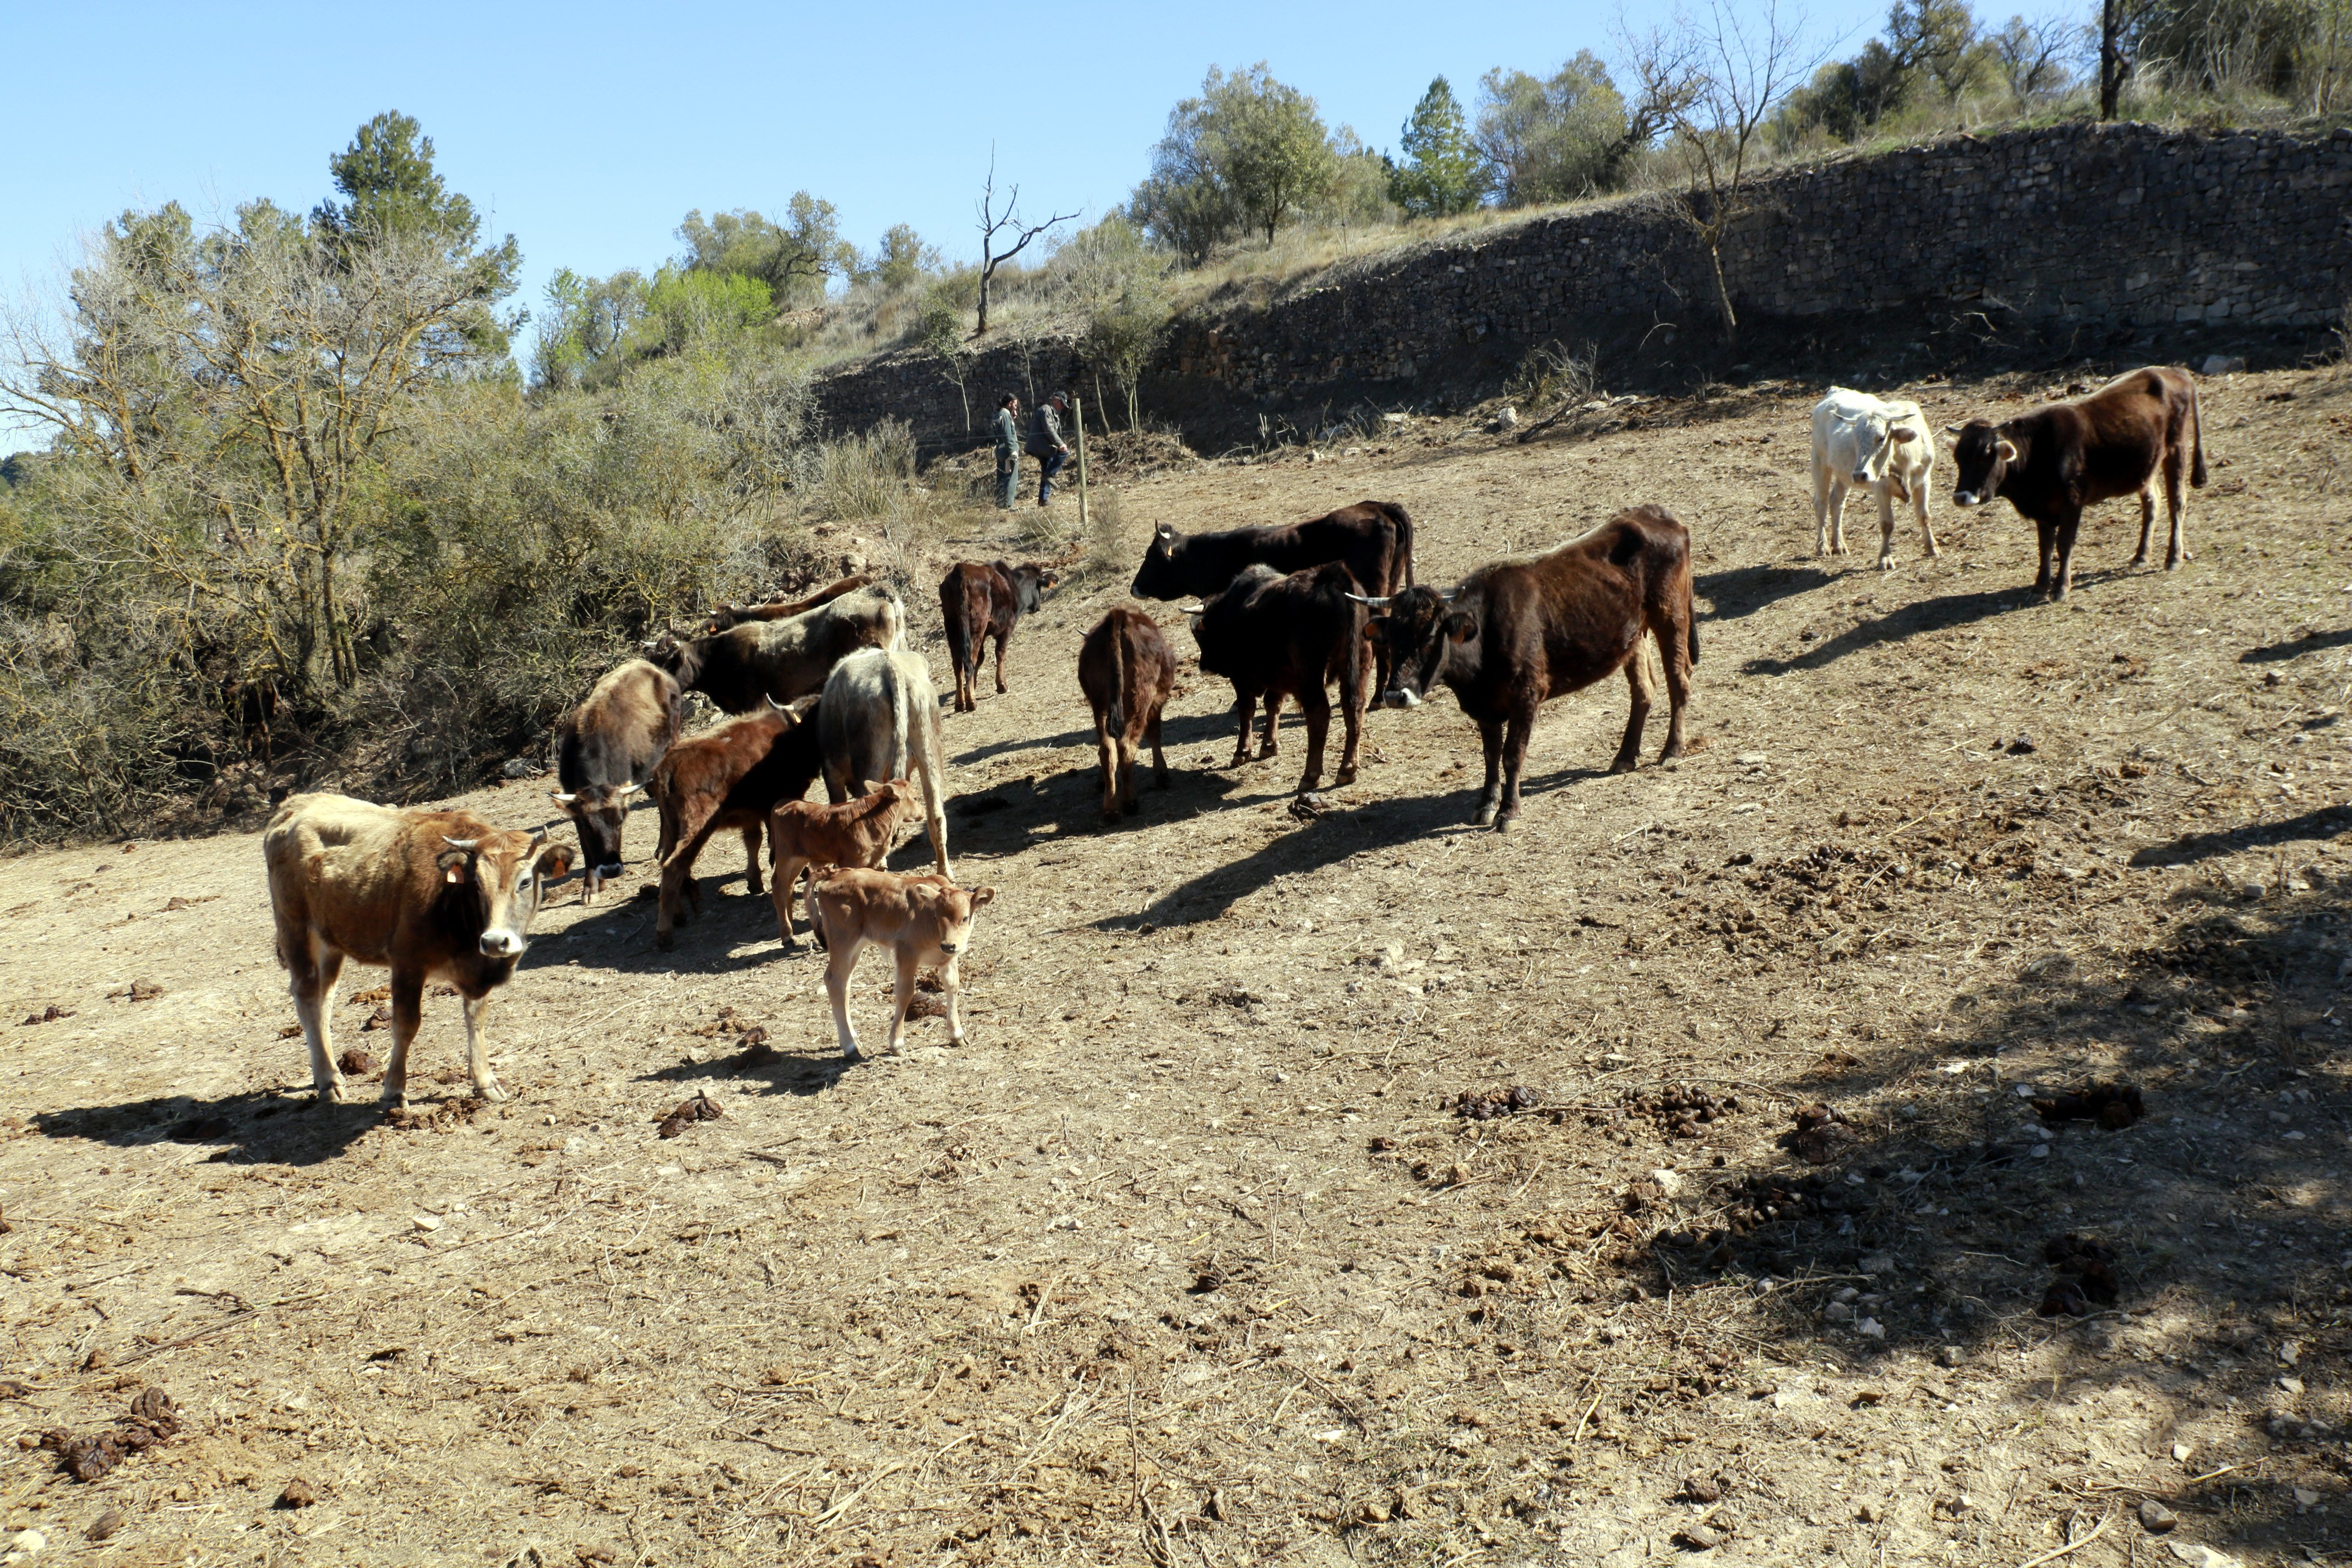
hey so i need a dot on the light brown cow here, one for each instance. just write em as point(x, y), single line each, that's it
point(926, 921)
point(803, 836)
point(732, 776)
point(1126, 671)
point(430, 894)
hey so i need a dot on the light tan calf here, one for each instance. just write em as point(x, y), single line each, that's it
point(924, 919)
point(803, 836)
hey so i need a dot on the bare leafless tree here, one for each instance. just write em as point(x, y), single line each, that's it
point(993, 224)
point(1720, 72)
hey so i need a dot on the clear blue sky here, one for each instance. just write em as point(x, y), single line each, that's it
point(588, 131)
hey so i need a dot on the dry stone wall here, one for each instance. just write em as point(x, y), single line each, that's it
point(2065, 241)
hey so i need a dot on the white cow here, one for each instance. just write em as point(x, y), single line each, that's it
point(1860, 442)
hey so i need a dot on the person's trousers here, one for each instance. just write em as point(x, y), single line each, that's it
point(1008, 483)
point(1048, 465)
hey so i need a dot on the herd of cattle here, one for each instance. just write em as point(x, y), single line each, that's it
point(826, 688)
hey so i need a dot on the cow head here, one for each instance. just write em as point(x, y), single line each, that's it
point(1158, 578)
point(601, 812)
point(1420, 631)
point(506, 872)
point(1982, 453)
point(1031, 584)
point(1876, 433)
point(953, 908)
point(678, 658)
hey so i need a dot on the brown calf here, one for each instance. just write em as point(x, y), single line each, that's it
point(1126, 671)
point(980, 600)
point(926, 921)
point(429, 894)
point(730, 776)
point(2052, 463)
point(605, 751)
point(1520, 632)
point(803, 837)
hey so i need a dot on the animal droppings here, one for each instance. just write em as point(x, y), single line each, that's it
point(701, 1108)
point(48, 1016)
point(1677, 1111)
point(153, 1418)
point(2111, 1105)
point(1495, 1102)
point(1820, 1134)
point(356, 1063)
point(2094, 1285)
point(106, 1525)
point(298, 1493)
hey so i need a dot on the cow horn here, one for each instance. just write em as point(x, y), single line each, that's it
point(1192, 609)
point(1953, 431)
point(1164, 532)
point(631, 789)
point(462, 842)
point(538, 837)
point(1379, 604)
point(563, 799)
point(1445, 595)
point(774, 704)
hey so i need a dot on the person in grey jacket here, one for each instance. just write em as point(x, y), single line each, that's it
point(1046, 443)
point(1008, 450)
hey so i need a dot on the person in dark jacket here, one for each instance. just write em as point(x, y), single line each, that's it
point(1046, 443)
point(1008, 450)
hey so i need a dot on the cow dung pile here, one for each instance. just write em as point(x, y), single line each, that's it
point(2087, 1281)
point(154, 1419)
point(1495, 1102)
point(1679, 1111)
point(2112, 1106)
point(701, 1108)
point(1820, 1134)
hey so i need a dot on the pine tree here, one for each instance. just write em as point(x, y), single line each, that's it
point(1441, 175)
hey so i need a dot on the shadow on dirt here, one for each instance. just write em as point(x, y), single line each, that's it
point(2188, 1259)
point(2313, 641)
point(2322, 822)
point(242, 1129)
point(1176, 729)
point(780, 1072)
point(1745, 590)
point(1939, 613)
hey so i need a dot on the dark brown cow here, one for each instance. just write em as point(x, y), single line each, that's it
point(1519, 632)
point(2052, 463)
point(727, 617)
point(1373, 539)
point(730, 776)
point(1290, 636)
point(606, 750)
point(984, 599)
point(432, 895)
point(780, 661)
point(1126, 671)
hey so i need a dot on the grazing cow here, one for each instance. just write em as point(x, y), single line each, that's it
point(730, 776)
point(1290, 636)
point(1865, 443)
point(727, 617)
point(1519, 632)
point(1372, 539)
point(803, 836)
point(980, 600)
point(1126, 671)
point(2053, 462)
point(605, 751)
point(879, 719)
point(432, 895)
point(925, 921)
point(779, 661)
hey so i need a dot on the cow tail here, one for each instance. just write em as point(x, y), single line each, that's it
point(902, 759)
point(1694, 639)
point(1115, 714)
point(2196, 439)
point(1404, 546)
point(898, 642)
point(959, 643)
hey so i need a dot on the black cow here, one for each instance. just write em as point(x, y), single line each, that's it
point(1290, 636)
point(757, 662)
point(2052, 463)
point(605, 751)
point(1518, 633)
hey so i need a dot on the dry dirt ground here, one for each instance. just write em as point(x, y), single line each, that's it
point(1186, 1257)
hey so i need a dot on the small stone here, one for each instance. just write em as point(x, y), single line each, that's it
point(2304, 1499)
point(2181, 1452)
point(1878, 1263)
point(425, 1221)
point(24, 1543)
point(2292, 1385)
point(1869, 1513)
point(2290, 1351)
point(1697, 1538)
point(1950, 1356)
point(298, 1493)
point(2197, 1556)
point(1870, 1328)
point(2155, 1517)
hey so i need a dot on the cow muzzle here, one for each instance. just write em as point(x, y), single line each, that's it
point(950, 948)
point(1862, 476)
point(1966, 497)
point(500, 945)
point(610, 869)
point(1400, 698)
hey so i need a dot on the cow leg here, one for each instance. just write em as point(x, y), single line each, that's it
point(407, 1013)
point(902, 996)
point(951, 981)
point(1674, 650)
point(841, 963)
point(1514, 761)
point(1158, 757)
point(1317, 705)
point(1886, 527)
point(1107, 748)
point(477, 1048)
point(2047, 535)
point(2066, 531)
point(784, 878)
point(1822, 487)
point(1128, 801)
point(1000, 663)
point(1490, 736)
point(751, 861)
point(1245, 709)
point(2175, 548)
point(1637, 675)
point(311, 972)
point(2146, 521)
point(1273, 726)
point(1926, 530)
point(1837, 517)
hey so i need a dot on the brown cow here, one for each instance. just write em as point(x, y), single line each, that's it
point(730, 776)
point(1519, 632)
point(1126, 671)
point(1290, 636)
point(605, 751)
point(432, 895)
point(979, 600)
point(803, 837)
point(728, 616)
point(926, 921)
point(2053, 462)
point(779, 661)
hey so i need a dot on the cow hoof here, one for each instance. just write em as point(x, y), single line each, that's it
point(488, 1090)
point(1503, 824)
point(1344, 776)
point(665, 941)
point(329, 1094)
point(2175, 562)
point(1887, 564)
point(1622, 766)
point(1485, 816)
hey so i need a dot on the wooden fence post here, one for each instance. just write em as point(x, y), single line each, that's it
point(1078, 413)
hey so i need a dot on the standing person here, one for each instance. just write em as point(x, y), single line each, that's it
point(1046, 443)
point(1008, 450)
